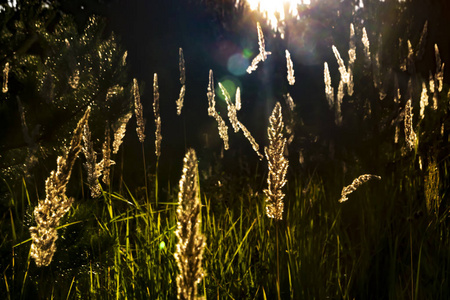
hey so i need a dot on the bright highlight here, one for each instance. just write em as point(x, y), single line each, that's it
point(275, 11)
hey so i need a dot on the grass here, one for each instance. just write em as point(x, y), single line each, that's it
point(383, 243)
point(376, 245)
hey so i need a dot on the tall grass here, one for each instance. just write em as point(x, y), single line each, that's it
point(379, 244)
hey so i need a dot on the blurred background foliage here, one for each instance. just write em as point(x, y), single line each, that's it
point(56, 69)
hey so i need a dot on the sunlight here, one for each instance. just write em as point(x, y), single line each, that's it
point(276, 11)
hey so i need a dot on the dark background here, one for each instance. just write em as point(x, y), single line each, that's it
point(211, 31)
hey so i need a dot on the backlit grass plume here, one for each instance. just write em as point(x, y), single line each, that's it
point(120, 131)
point(342, 69)
point(180, 100)
point(277, 163)
point(329, 91)
point(290, 68)
point(366, 44)
point(355, 184)
point(50, 210)
point(223, 128)
point(351, 59)
point(139, 112)
point(5, 78)
point(410, 135)
point(190, 241)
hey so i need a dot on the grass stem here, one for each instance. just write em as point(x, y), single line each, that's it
point(278, 263)
point(145, 173)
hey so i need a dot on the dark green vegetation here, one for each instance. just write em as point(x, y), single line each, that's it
point(390, 240)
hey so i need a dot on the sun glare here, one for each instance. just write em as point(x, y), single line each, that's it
point(276, 11)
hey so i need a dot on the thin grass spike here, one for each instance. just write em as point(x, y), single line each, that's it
point(423, 100)
point(290, 102)
point(352, 47)
point(180, 100)
point(232, 112)
point(356, 184)
point(237, 99)
point(290, 124)
point(422, 42)
point(158, 137)
point(410, 135)
point(223, 128)
point(139, 112)
point(338, 103)
point(366, 44)
point(182, 66)
point(237, 125)
point(262, 55)
point(342, 69)
point(5, 77)
point(261, 42)
point(290, 69)
point(329, 91)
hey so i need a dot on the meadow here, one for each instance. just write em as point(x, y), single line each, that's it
point(333, 238)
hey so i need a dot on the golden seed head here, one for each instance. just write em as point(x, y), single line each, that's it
point(277, 164)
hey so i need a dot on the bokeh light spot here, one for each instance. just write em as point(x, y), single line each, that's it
point(162, 245)
point(247, 53)
point(237, 64)
point(230, 84)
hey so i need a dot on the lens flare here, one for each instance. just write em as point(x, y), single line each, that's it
point(162, 245)
point(237, 64)
point(276, 11)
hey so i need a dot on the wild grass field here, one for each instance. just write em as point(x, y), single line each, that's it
point(357, 209)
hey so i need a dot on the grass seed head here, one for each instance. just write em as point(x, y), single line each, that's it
point(189, 249)
point(410, 135)
point(139, 112)
point(290, 68)
point(158, 136)
point(182, 66)
point(93, 170)
point(119, 133)
point(5, 77)
point(223, 128)
point(50, 210)
point(180, 100)
point(277, 164)
point(355, 184)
